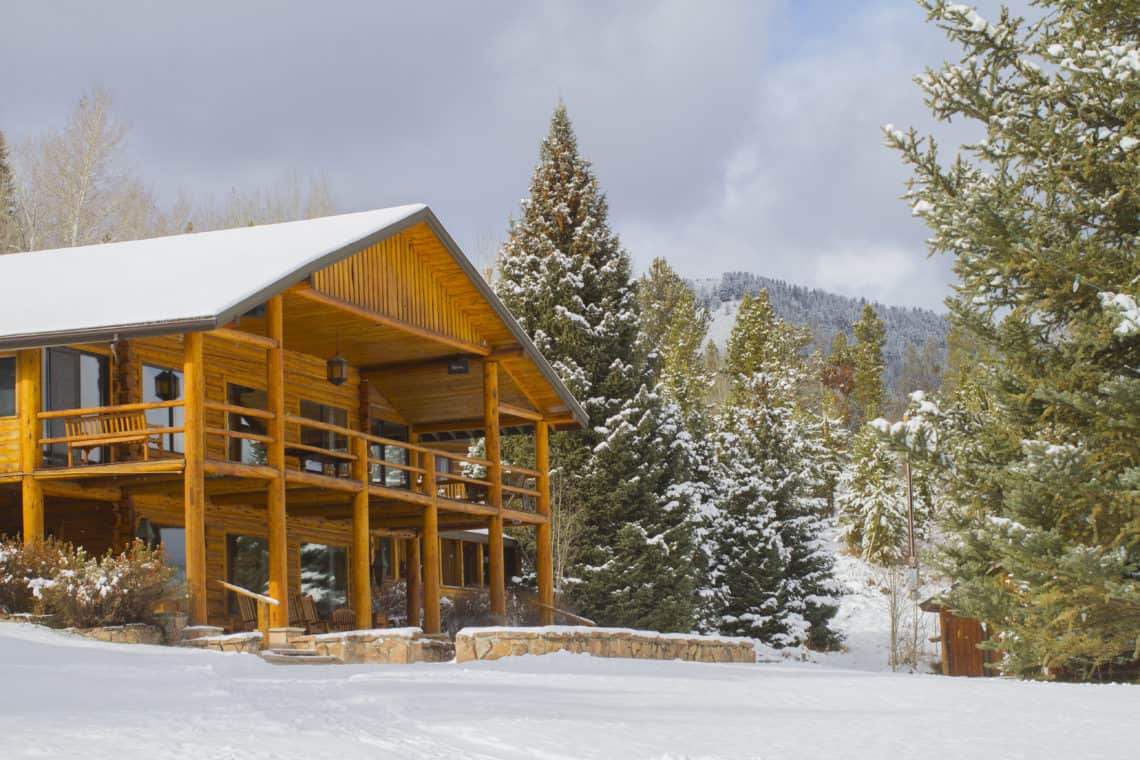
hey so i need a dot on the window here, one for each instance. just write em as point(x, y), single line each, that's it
point(172, 417)
point(324, 575)
point(471, 568)
point(7, 386)
point(323, 439)
point(74, 380)
point(171, 539)
point(248, 564)
point(384, 562)
point(451, 556)
point(392, 477)
point(243, 449)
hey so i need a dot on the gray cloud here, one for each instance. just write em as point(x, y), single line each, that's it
point(728, 135)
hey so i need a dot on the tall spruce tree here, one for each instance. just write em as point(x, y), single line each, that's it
point(1041, 441)
point(867, 390)
point(769, 575)
point(623, 479)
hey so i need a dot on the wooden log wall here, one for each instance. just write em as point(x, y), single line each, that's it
point(390, 279)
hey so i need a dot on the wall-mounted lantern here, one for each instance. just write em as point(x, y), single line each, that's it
point(166, 386)
point(337, 368)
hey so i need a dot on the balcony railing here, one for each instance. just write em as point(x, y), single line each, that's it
point(123, 434)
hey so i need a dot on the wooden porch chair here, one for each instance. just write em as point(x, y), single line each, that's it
point(296, 614)
point(311, 617)
point(247, 612)
point(342, 619)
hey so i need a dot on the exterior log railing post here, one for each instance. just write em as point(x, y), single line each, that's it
point(498, 591)
point(543, 539)
point(194, 476)
point(431, 550)
point(277, 529)
point(29, 384)
point(361, 534)
point(412, 581)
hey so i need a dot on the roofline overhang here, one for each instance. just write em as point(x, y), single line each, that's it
point(105, 334)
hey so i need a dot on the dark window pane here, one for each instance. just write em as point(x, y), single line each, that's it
point(74, 380)
point(172, 417)
point(243, 449)
point(324, 576)
point(323, 439)
point(248, 564)
point(7, 386)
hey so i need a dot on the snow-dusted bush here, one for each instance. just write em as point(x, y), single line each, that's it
point(55, 578)
point(25, 570)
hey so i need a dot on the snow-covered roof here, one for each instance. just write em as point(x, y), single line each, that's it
point(183, 282)
point(200, 281)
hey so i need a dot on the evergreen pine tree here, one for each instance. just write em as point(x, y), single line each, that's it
point(769, 575)
point(1040, 442)
point(867, 391)
point(838, 376)
point(872, 501)
point(674, 325)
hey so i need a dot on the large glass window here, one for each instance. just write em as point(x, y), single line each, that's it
point(383, 562)
point(243, 449)
point(323, 439)
point(7, 386)
point(248, 564)
point(172, 540)
point(74, 380)
point(324, 575)
point(172, 417)
point(393, 477)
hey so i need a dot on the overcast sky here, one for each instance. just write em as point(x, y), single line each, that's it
point(728, 136)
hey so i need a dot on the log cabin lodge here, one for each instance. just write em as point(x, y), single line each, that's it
point(305, 391)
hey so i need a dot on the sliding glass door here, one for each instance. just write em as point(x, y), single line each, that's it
point(73, 380)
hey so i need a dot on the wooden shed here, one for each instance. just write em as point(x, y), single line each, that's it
point(961, 638)
point(302, 390)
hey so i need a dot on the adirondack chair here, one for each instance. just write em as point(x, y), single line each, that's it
point(247, 612)
point(311, 617)
point(342, 619)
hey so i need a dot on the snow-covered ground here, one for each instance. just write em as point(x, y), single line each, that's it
point(63, 697)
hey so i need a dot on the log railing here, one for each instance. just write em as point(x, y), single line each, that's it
point(263, 604)
point(464, 478)
point(113, 428)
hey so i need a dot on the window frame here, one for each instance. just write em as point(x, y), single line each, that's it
point(15, 384)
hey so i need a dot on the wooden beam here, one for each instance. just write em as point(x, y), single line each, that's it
point(498, 592)
point(246, 338)
point(361, 541)
point(308, 292)
point(276, 518)
point(194, 475)
point(113, 470)
point(510, 410)
point(66, 489)
point(29, 392)
point(222, 468)
point(544, 549)
point(471, 423)
point(431, 562)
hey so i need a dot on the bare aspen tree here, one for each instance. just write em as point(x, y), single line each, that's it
point(74, 187)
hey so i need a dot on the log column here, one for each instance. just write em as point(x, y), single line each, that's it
point(194, 477)
point(430, 535)
point(361, 535)
point(544, 549)
point(278, 536)
point(412, 580)
point(29, 395)
point(498, 585)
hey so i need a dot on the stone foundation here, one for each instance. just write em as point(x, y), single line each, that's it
point(133, 633)
point(493, 643)
point(245, 643)
point(383, 646)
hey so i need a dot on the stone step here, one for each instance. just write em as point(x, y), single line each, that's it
point(294, 652)
point(303, 659)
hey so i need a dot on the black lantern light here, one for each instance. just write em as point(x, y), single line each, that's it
point(166, 386)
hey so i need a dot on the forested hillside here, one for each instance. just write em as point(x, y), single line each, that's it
point(823, 313)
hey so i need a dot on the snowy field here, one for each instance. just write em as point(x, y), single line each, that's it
point(64, 697)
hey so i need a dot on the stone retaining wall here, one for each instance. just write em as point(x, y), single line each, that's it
point(245, 643)
point(132, 633)
point(493, 643)
point(388, 646)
